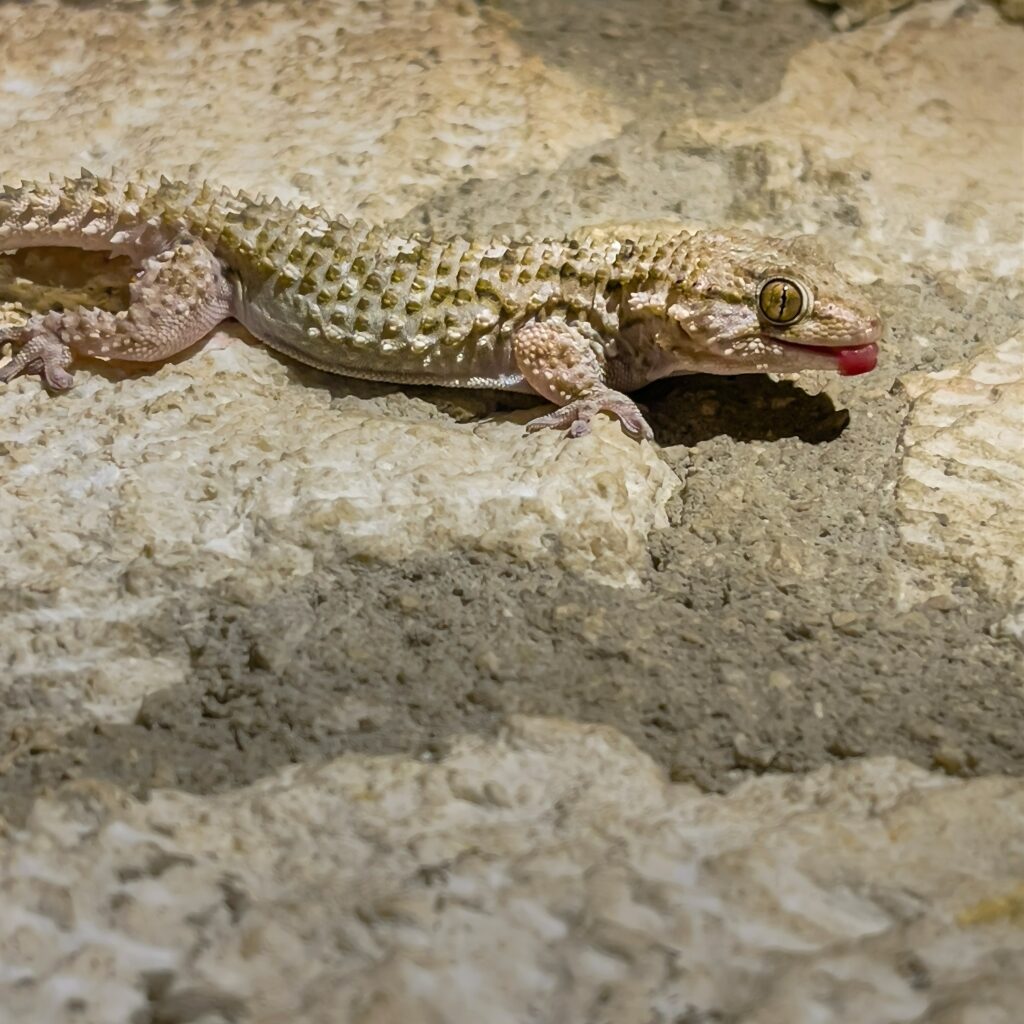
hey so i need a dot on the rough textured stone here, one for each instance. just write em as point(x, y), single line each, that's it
point(961, 222)
point(851, 13)
point(191, 597)
point(204, 476)
point(298, 98)
point(550, 876)
point(962, 477)
point(130, 496)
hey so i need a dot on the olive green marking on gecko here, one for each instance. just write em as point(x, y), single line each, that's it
point(577, 320)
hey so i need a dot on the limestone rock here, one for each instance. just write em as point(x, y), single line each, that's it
point(551, 875)
point(958, 222)
point(199, 472)
point(851, 13)
point(1011, 9)
point(116, 495)
point(855, 12)
point(963, 470)
point(432, 92)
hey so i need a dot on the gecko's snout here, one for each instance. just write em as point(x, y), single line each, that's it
point(872, 334)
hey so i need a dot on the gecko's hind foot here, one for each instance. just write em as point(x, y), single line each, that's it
point(577, 415)
point(42, 353)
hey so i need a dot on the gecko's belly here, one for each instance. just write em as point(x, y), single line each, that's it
point(484, 361)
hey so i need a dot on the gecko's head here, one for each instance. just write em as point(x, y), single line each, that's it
point(747, 304)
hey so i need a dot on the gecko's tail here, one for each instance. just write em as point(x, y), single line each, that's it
point(85, 212)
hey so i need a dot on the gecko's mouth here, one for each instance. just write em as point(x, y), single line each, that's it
point(849, 360)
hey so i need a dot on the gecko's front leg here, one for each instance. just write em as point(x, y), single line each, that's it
point(178, 295)
point(563, 365)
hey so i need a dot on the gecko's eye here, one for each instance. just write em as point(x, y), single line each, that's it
point(783, 301)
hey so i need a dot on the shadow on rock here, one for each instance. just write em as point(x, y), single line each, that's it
point(687, 410)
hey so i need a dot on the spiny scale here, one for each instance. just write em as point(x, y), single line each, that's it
point(342, 289)
point(352, 286)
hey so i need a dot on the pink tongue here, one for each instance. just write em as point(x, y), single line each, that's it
point(856, 360)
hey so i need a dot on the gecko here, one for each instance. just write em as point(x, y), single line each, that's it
point(579, 321)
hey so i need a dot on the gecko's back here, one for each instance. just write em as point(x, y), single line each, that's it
point(356, 299)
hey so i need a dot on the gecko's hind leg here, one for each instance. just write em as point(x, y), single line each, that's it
point(177, 296)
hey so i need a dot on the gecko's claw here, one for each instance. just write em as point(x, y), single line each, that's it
point(577, 416)
point(43, 353)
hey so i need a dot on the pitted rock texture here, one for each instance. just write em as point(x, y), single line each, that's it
point(550, 876)
point(962, 478)
point(193, 598)
point(293, 98)
point(851, 13)
point(195, 484)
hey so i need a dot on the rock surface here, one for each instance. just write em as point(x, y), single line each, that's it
point(294, 98)
point(206, 475)
point(549, 875)
point(231, 570)
point(963, 470)
point(141, 507)
point(851, 13)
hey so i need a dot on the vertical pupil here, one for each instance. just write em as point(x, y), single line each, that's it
point(781, 301)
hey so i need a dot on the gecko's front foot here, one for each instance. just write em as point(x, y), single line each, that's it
point(578, 414)
point(41, 352)
point(565, 362)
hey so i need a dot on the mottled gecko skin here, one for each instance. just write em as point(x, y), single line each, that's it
point(578, 321)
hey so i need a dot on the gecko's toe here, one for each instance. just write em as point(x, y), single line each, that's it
point(578, 415)
point(557, 420)
point(56, 378)
point(42, 354)
point(636, 426)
